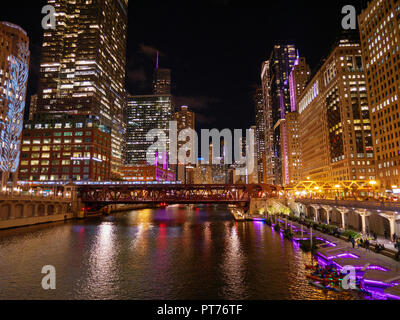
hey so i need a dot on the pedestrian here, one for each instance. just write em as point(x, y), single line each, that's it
point(367, 245)
point(353, 242)
point(375, 236)
point(394, 238)
point(367, 231)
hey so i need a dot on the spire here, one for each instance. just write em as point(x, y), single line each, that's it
point(157, 61)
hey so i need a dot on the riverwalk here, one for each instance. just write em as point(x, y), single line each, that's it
point(364, 254)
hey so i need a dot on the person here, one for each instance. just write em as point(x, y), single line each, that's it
point(375, 236)
point(367, 231)
point(353, 242)
point(367, 245)
point(394, 238)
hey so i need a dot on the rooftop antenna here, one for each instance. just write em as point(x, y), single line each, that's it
point(157, 61)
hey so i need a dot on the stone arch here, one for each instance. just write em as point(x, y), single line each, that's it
point(59, 209)
point(336, 218)
point(323, 215)
point(50, 209)
point(41, 210)
point(5, 211)
point(378, 224)
point(30, 211)
point(310, 212)
point(18, 211)
point(354, 221)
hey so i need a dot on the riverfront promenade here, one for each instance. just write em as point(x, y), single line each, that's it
point(363, 253)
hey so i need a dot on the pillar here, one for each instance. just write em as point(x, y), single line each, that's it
point(343, 211)
point(391, 216)
point(364, 214)
point(316, 208)
point(328, 210)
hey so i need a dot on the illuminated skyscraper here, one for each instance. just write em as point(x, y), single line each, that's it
point(161, 80)
point(33, 106)
point(143, 114)
point(291, 152)
point(14, 66)
point(82, 70)
point(185, 120)
point(334, 120)
point(260, 131)
point(275, 79)
point(380, 41)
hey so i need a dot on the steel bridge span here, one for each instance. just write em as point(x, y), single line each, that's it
point(99, 196)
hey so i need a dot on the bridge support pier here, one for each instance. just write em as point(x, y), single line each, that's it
point(392, 217)
point(343, 212)
point(328, 210)
point(364, 213)
point(316, 208)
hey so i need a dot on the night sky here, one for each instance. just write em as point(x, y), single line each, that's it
point(214, 48)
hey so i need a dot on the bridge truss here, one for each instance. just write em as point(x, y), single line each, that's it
point(172, 194)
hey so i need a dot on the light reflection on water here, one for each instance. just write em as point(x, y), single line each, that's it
point(173, 253)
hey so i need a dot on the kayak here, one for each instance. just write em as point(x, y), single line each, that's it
point(324, 280)
point(321, 286)
point(316, 284)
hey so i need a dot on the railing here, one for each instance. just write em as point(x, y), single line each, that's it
point(375, 205)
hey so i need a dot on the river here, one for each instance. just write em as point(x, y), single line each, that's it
point(177, 253)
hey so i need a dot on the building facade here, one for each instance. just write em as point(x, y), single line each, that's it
point(275, 79)
point(65, 148)
point(14, 66)
point(185, 120)
point(334, 119)
point(380, 41)
point(145, 113)
point(82, 70)
point(162, 81)
point(291, 159)
point(33, 106)
point(260, 131)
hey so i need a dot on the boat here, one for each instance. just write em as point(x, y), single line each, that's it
point(316, 284)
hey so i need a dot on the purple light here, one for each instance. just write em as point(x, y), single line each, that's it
point(376, 282)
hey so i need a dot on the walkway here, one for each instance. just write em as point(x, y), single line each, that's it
point(363, 253)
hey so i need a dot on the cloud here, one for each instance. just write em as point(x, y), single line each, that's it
point(149, 50)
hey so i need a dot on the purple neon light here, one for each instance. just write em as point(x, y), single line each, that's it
point(376, 282)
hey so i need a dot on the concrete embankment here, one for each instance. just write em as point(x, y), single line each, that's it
point(29, 221)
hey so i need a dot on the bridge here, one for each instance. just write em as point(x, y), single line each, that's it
point(360, 216)
point(100, 195)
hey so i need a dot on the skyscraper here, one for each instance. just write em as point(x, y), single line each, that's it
point(14, 66)
point(82, 70)
point(291, 152)
point(334, 121)
point(143, 114)
point(185, 120)
point(260, 131)
point(380, 41)
point(275, 77)
point(161, 80)
point(33, 106)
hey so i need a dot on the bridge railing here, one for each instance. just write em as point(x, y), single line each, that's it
point(374, 205)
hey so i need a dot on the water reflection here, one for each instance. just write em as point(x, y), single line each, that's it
point(172, 253)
